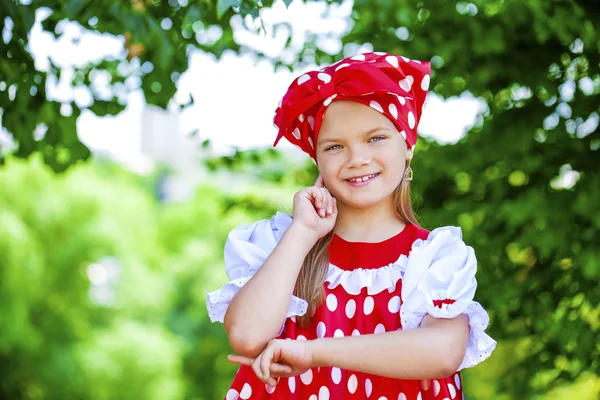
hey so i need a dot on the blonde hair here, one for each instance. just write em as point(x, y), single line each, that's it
point(309, 285)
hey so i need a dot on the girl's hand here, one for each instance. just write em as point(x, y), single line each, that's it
point(315, 208)
point(281, 358)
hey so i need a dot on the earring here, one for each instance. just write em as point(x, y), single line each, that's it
point(408, 174)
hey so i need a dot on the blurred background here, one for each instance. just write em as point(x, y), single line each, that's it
point(135, 134)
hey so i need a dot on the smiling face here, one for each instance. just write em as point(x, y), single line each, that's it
point(360, 154)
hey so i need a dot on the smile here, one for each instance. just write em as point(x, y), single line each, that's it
point(362, 178)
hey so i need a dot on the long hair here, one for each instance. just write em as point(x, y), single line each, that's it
point(309, 285)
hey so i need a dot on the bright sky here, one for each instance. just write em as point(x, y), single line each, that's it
point(235, 98)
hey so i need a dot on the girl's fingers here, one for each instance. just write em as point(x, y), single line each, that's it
point(329, 203)
point(265, 363)
point(280, 370)
point(319, 182)
point(317, 196)
point(256, 369)
point(240, 360)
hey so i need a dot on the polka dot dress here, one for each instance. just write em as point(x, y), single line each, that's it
point(344, 314)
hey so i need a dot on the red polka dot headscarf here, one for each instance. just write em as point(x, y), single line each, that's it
point(393, 85)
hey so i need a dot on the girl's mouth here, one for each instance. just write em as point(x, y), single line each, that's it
point(362, 180)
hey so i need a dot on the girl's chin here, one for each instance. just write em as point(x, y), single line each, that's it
point(361, 202)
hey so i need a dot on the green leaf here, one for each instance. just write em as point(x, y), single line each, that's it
point(224, 5)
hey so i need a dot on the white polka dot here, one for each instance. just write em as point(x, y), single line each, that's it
point(321, 329)
point(313, 397)
point(383, 398)
point(246, 392)
point(425, 82)
point(331, 302)
point(379, 328)
point(436, 388)
point(297, 133)
point(405, 59)
point(292, 383)
point(419, 396)
point(379, 53)
point(352, 384)
point(375, 105)
point(392, 60)
point(338, 333)
point(394, 304)
point(323, 393)
point(232, 395)
point(310, 142)
point(369, 305)
point(303, 78)
point(307, 377)
point(311, 122)
point(301, 337)
point(393, 110)
point(452, 390)
point(301, 118)
point(341, 66)
point(406, 83)
point(355, 332)
point(336, 375)
point(402, 100)
point(350, 308)
point(358, 57)
point(324, 77)
point(368, 387)
point(457, 381)
point(293, 318)
point(411, 120)
point(403, 134)
point(270, 389)
point(329, 100)
point(401, 396)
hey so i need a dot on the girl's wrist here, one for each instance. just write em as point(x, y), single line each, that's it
point(303, 234)
point(316, 349)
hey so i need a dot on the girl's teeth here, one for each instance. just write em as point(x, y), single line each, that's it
point(362, 179)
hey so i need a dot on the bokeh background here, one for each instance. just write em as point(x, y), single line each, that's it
point(135, 134)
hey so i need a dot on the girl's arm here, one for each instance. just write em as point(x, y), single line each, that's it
point(258, 310)
point(435, 350)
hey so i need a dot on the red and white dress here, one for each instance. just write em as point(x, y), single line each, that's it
point(370, 288)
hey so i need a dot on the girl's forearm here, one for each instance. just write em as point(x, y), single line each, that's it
point(258, 310)
point(429, 352)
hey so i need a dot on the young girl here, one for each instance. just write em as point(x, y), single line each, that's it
point(350, 298)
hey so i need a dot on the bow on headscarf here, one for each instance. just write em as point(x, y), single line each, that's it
point(392, 85)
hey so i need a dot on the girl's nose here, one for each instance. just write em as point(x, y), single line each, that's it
point(359, 157)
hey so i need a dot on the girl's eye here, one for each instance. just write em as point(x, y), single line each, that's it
point(334, 147)
point(377, 138)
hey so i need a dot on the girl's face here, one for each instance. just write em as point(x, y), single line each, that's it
point(360, 153)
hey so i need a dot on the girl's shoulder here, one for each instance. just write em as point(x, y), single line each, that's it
point(265, 231)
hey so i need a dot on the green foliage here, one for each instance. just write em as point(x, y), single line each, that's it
point(523, 184)
point(157, 35)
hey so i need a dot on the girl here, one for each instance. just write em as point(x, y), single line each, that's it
point(325, 304)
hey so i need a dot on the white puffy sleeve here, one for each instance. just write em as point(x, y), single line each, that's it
point(246, 250)
point(439, 280)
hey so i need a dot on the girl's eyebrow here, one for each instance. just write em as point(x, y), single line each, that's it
point(366, 133)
